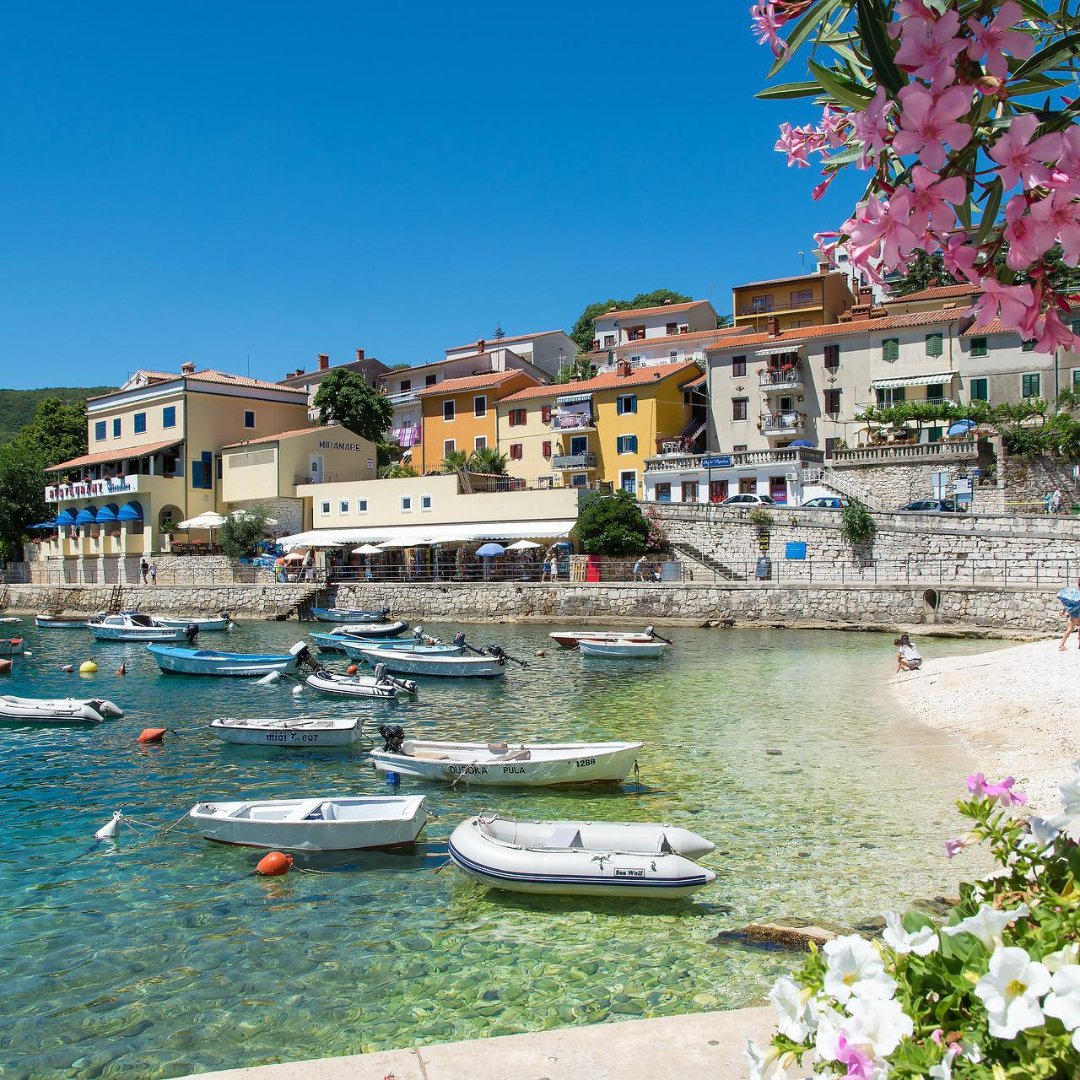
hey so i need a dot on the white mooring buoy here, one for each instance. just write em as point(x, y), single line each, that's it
point(109, 831)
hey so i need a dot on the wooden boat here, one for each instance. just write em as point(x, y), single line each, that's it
point(586, 858)
point(353, 647)
point(417, 663)
point(134, 626)
point(378, 685)
point(505, 764)
point(60, 622)
point(327, 824)
point(58, 710)
point(212, 662)
point(203, 622)
point(15, 646)
point(295, 731)
point(349, 615)
point(569, 639)
point(622, 650)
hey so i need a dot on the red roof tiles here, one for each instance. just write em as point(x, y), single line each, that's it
point(610, 380)
point(286, 435)
point(645, 313)
point(497, 343)
point(936, 292)
point(116, 454)
point(472, 382)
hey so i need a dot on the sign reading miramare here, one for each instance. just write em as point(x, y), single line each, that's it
point(326, 444)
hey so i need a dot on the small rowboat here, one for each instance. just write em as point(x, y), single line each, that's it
point(349, 615)
point(296, 731)
point(570, 639)
point(8, 619)
point(526, 764)
point(15, 646)
point(354, 647)
point(133, 626)
point(335, 640)
point(622, 650)
point(60, 622)
point(335, 824)
point(212, 662)
point(584, 858)
point(58, 711)
point(417, 663)
point(203, 622)
point(370, 686)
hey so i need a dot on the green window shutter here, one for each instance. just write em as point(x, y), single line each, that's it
point(1027, 346)
point(979, 346)
point(1029, 386)
point(1076, 326)
point(977, 388)
point(935, 434)
point(934, 344)
point(890, 348)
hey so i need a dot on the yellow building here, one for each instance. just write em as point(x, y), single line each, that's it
point(459, 414)
point(805, 300)
point(599, 429)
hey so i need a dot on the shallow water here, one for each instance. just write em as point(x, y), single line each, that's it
point(162, 955)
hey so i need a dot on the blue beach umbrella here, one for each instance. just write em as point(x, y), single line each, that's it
point(961, 427)
point(802, 442)
point(490, 550)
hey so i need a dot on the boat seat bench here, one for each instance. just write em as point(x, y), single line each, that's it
point(563, 838)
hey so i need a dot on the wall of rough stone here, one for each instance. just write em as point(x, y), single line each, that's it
point(171, 570)
point(889, 486)
point(1027, 481)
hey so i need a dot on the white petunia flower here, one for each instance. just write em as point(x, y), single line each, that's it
point(922, 943)
point(1010, 991)
point(1070, 954)
point(1068, 821)
point(987, 924)
point(827, 1036)
point(943, 1069)
point(756, 1059)
point(1042, 834)
point(855, 967)
point(877, 1025)
point(790, 1002)
point(1064, 1000)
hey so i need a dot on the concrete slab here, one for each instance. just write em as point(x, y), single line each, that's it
point(697, 1044)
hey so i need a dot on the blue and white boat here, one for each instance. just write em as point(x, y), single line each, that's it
point(134, 626)
point(354, 648)
point(326, 640)
point(213, 662)
point(459, 666)
point(348, 615)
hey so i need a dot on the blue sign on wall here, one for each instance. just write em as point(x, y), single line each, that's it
point(795, 549)
point(723, 462)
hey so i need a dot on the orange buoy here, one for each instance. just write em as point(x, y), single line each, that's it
point(5, 667)
point(274, 865)
point(152, 734)
point(351, 669)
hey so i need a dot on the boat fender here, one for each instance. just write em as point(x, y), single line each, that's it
point(5, 667)
point(68, 669)
point(109, 830)
point(299, 689)
point(540, 652)
point(393, 736)
point(274, 865)
point(152, 735)
point(87, 667)
point(351, 669)
point(28, 652)
point(269, 680)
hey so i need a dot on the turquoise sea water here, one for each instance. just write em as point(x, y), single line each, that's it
point(163, 955)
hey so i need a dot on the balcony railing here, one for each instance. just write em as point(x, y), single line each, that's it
point(886, 452)
point(96, 489)
point(404, 397)
point(573, 461)
point(749, 460)
point(573, 421)
point(782, 379)
point(779, 305)
point(781, 423)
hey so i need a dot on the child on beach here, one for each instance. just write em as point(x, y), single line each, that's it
point(908, 658)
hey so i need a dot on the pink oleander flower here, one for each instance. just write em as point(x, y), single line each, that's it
point(933, 201)
point(960, 258)
point(824, 185)
point(872, 126)
point(881, 229)
point(995, 40)
point(1020, 158)
point(767, 20)
point(1068, 162)
point(1057, 219)
point(1028, 236)
point(1049, 333)
point(929, 49)
point(928, 121)
point(1001, 791)
point(832, 126)
point(909, 9)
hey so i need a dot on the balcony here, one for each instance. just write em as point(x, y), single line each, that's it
point(785, 456)
point(781, 423)
point(573, 422)
point(778, 306)
point(573, 461)
point(404, 397)
point(786, 378)
point(94, 489)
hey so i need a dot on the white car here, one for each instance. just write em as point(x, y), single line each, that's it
point(748, 500)
point(826, 502)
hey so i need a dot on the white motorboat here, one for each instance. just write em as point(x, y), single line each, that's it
point(622, 650)
point(587, 858)
point(416, 663)
point(327, 824)
point(203, 622)
point(212, 662)
point(8, 619)
point(15, 646)
point(379, 685)
point(60, 622)
point(505, 764)
point(58, 710)
point(134, 626)
point(354, 647)
point(315, 731)
point(570, 639)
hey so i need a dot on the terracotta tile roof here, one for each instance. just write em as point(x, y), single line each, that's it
point(693, 383)
point(667, 339)
point(116, 454)
point(287, 435)
point(937, 292)
point(610, 380)
point(924, 318)
point(663, 309)
point(472, 382)
point(497, 343)
point(208, 376)
point(814, 276)
point(996, 327)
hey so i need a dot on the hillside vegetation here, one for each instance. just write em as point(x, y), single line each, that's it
point(17, 407)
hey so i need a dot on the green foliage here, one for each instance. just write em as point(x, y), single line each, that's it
point(582, 332)
point(455, 461)
point(17, 407)
point(345, 398)
point(856, 524)
point(242, 531)
point(724, 320)
point(488, 460)
point(761, 518)
point(612, 525)
point(922, 269)
point(581, 367)
point(398, 471)
point(57, 432)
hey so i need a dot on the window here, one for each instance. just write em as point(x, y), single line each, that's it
point(979, 347)
point(671, 328)
point(479, 405)
point(1076, 326)
point(689, 491)
point(738, 366)
point(448, 448)
point(890, 396)
point(890, 349)
point(717, 491)
point(830, 447)
point(249, 418)
point(546, 449)
point(673, 355)
point(579, 480)
point(935, 393)
point(935, 344)
point(517, 417)
point(609, 340)
point(1029, 386)
point(99, 430)
point(762, 303)
point(832, 356)
point(545, 414)
point(832, 403)
point(801, 297)
point(480, 442)
point(738, 408)
point(139, 423)
point(628, 482)
point(406, 385)
point(626, 444)
point(361, 506)
point(626, 403)
point(425, 503)
point(977, 388)
point(217, 466)
point(448, 410)
point(343, 506)
point(116, 428)
point(1076, 379)
point(739, 448)
point(516, 451)
point(430, 380)
point(168, 416)
point(406, 504)
point(579, 444)
point(324, 508)
point(1027, 346)
point(663, 493)
point(202, 473)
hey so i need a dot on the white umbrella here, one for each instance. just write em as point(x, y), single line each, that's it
point(367, 549)
point(206, 520)
point(523, 545)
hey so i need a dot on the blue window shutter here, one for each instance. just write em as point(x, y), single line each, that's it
point(618, 406)
point(632, 441)
point(207, 469)
point(196, 474)
point(633, 403)
point(99, 430)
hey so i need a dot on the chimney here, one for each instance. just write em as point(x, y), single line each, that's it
point(299, 371)
point(623, 368)
point(865, 290)
point(187, 368)
point(772, 326)
point(932, 283)
point(359, 355)
point(481, 345)
point(324, 362)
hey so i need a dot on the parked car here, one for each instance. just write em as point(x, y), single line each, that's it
point(826, 502)
point(933, 506)
point(748, 500)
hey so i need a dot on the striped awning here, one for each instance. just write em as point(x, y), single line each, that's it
point(572, 399)
point(913, 380)
point(776, 350)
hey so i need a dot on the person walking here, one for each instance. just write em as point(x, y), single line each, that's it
point(144, 569)
point(639, 569)
point(153, 573)
point(1055, 501)
point(1048, 501)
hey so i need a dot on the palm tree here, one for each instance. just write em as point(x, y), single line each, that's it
point(488, 460)
point(455, 461)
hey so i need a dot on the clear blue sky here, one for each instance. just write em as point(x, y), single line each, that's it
point(209, 182)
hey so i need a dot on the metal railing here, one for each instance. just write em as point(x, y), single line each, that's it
point(334, 478)
point(744, 459)
point(573, 461)
point(769, 307)
point(781, 423)
point(780, 380)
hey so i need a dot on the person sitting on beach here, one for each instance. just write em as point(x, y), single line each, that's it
point(908, 658)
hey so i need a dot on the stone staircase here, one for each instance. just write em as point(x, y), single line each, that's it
point(829, 479)
point(694, 554)
point(305, 599)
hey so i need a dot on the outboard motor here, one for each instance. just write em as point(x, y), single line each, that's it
point(498, 652)
point(380, 673)
point(418, 633)
point(459, 639)
point(191, 632)
point(393, 736)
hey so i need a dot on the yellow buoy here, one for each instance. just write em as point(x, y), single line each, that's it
point(87, 667)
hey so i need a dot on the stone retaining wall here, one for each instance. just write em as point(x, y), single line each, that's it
point(1027, 481)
